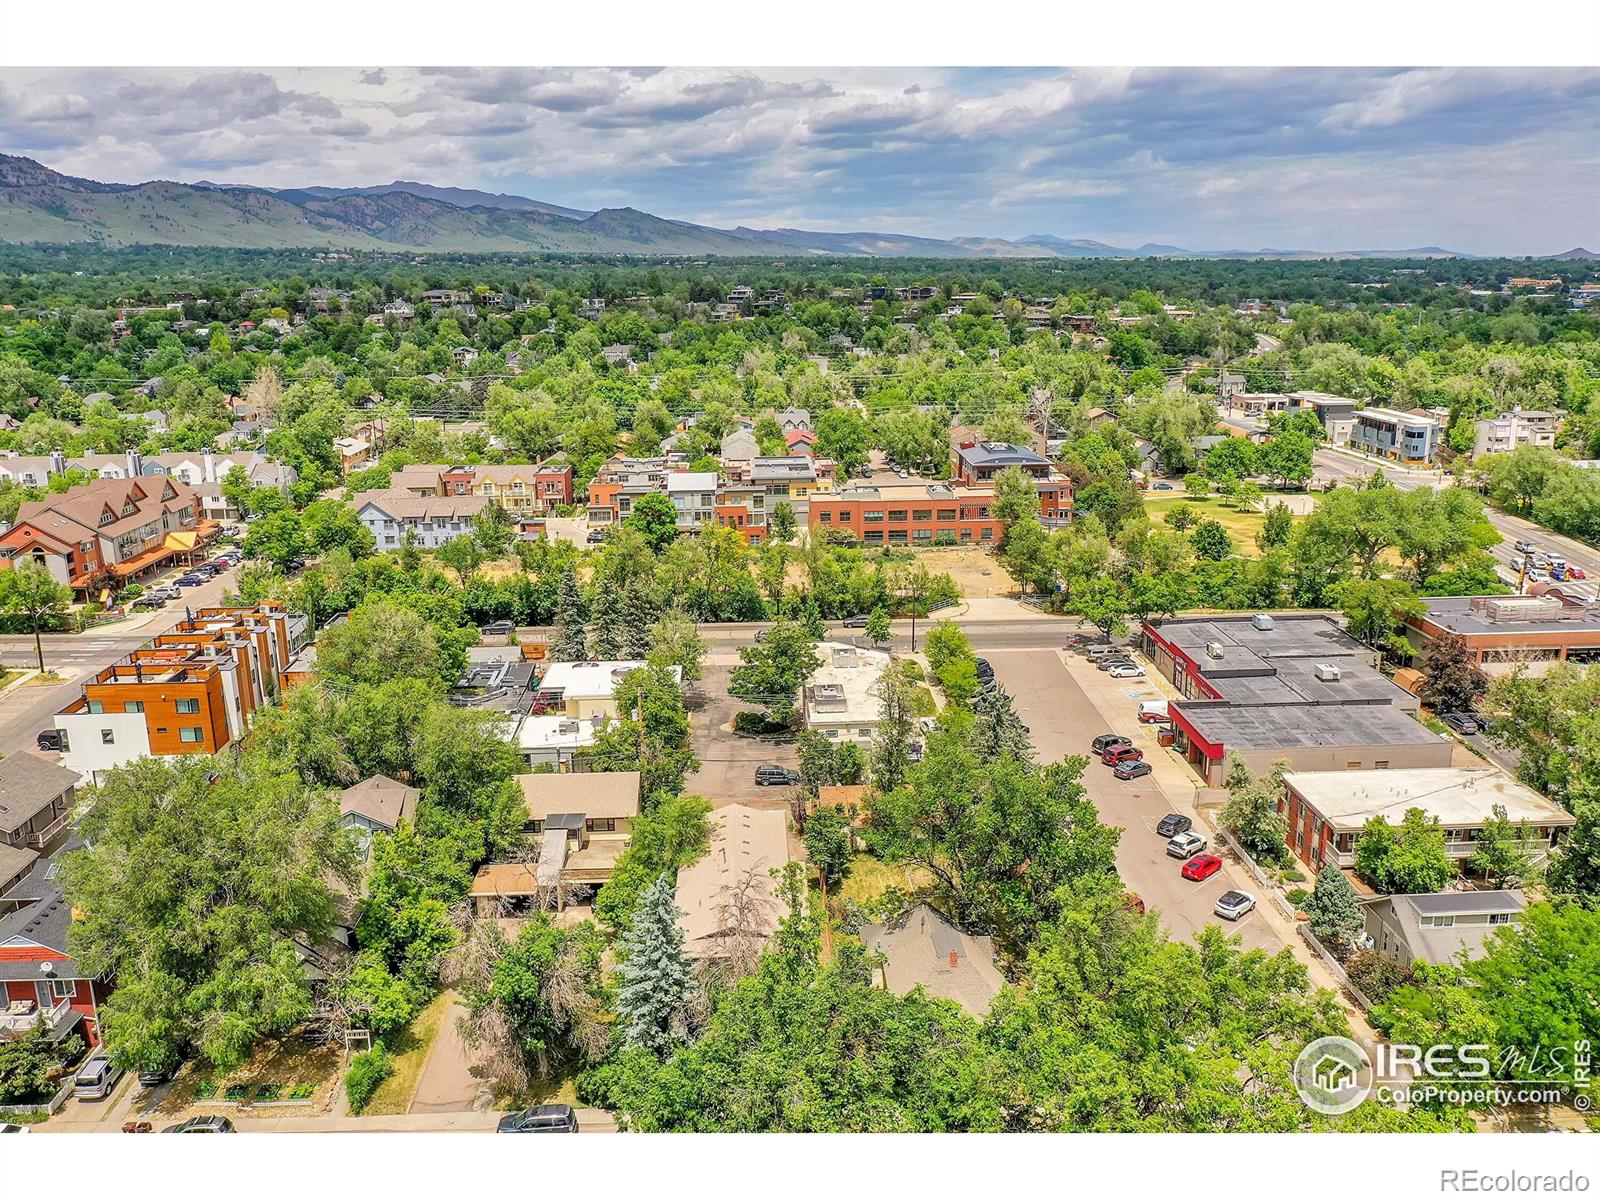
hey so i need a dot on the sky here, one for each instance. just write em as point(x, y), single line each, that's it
point(1480, 160)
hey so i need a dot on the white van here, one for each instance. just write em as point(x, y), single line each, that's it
point(96, 1078)
point(1151, 711)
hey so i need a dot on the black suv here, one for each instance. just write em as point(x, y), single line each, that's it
point(52, 739)
point(498, 628)
point(772, 775)
point(1109, 739)
point(1173, 824)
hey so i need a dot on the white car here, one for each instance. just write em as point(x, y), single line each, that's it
point(1186, 845)
point(1126, 671)
point(1233, 905)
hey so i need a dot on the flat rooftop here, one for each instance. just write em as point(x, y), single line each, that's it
point(1290, 726)
point(1458, 796)
point(1251, 666)
point(1468, 615)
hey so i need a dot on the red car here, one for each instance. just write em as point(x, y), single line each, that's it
point(1201, 866)
point(1577, 573)
point(1112, 755)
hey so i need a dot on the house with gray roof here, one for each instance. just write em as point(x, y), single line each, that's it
point(923, 948)
point(1439, 927)
point(376, 805)
point(35, 800)
point(40, 981)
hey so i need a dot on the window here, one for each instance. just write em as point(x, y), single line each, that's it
point(94, 706)
point(833, 733)
point(897, 514)
point(108, 737)
point(864, 732)
point(62, 989)
point(535, 826)
point(922, 535)
point(922, 514)
point(876, 516)
point(188, 704)
point(1352, 766)
point(1381, 764)
point(947, 514)
point(1438, 922)
point(824, 517)
point(133, 706)
point(1500, 918)
point(601, 824)
point(191, 733)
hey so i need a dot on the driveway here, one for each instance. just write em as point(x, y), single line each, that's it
point(728, 761)
point(449, 1082)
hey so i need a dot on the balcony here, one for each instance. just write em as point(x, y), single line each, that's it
point(39, 838)
point(26, 1015)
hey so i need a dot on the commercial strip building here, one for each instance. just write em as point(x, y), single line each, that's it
point(1288, 686)
point(101, 535)
point(841, 696)
point(1327, 810)
point(909, 514)
point(1503, 632)
point(192, 690)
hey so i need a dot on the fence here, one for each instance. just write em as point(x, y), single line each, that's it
point(1336, 967)
point(49, 1107)
point(1257, 873)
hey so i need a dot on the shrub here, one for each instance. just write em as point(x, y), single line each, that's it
point(755, 723)
point(1377, 975)
point(1298, 896)
point(367, 1071)
point(913, 670)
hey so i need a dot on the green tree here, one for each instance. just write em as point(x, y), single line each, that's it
point(1182, 516)
point(771, 670)
point(331, 523)
point(828, 843)
point(1015, 496)
point(1276, 528)
point(570, 642)
point(672, 835)
point(1375, 612)
point(1574, 868)
point(493, 531)
point(892, 739)
point(278, 538)
point(194, 888)
point(675, 642)
point(1103, 602)
point(1500, 850)
point(781, 523)
point(607, 631)
point(879, 630)
point(1251, 811)
point(1404, 859)
point(1211, 541)
point(1552, 724)
point(654, 978)
point(463, 555)
point(31, 594)
point(1333, 908)
point(378, 642)
point(656, 519)
point(997, 729)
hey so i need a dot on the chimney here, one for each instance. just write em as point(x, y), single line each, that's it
point(208, 470)
point(58, 462)
point(135, 464)
point(954, 960)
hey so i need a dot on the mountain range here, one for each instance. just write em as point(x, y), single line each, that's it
point(38, 204)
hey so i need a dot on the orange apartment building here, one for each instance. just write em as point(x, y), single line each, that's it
point(193, 690)
point(908, 514)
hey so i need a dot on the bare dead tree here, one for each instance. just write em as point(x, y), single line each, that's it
point(746, 914)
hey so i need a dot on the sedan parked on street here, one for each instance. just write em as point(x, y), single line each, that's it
point(1186, 845)
point(1234, 904)
point(859, 621)
point(1201, 867)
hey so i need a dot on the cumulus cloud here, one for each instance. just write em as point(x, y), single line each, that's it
point(1206, 158)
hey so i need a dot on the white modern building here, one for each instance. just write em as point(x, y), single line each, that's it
point(1403, 437)
point(694, 496)
point(1519, 427)
point(430, 520)
point(841, 696)
point(580, 690)
point(555, 740)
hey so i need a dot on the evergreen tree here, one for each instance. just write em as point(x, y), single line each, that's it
point(571, 640)
point(996, 728)
point(654, 978)
point(609, 633)
point(1335, 914)
point(639, 613)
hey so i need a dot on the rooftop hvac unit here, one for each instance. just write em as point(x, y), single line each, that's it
point(1327, 672)
point(1213, 649)
point(1262, 622)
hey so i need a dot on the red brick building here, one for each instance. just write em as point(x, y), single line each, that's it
point(908, 514)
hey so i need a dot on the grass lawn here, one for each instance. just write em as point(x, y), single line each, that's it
point(1242, 527)
point(408, 1054)
point(870, 878)
point(290, 1063)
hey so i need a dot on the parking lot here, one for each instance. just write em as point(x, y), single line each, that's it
point(1066, 703)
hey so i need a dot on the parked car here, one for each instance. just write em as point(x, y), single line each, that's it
point(190, 580)
point(595, 536)
point(1201, 867)
point(164, 594)
point(1463, 723)
point(1171, 825)
point(859, 621)
point(204, 1123)
point(150, 1079)
point(542, 1118)
point(1126, 671)
point(772, 775)
point(984, 668)
point(8, 1127)
point(52, 739)
point(498, 628)
point(1576, 572)
point(1105, 650)
point(1132, 769)
point(1186, 844)
point(1112, 755)
point(1106, 740)
point(1161, 487)
point(145, 604)
point(96, 1078)
point(1105, 664)
point(1234, 904)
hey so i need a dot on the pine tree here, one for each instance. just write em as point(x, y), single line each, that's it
point(571, 641)
point(639, 613)
point(996, 728)
point(1335, 914)
point(654, 978)
point(609, 634)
